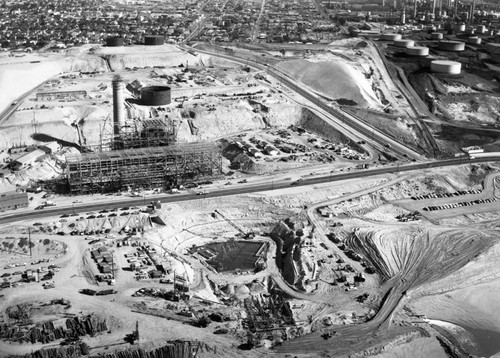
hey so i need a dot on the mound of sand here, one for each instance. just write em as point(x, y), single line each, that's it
point(335, 80)
point(417, 255)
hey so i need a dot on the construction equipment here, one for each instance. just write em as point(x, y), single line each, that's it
point(246, 235)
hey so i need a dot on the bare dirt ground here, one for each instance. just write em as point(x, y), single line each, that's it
point(423, 267)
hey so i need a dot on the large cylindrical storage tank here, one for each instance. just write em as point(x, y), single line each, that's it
point(431, 28)
point(447, 67)
point(156, 96)
point(470, 31)
point(417, 51)
point(480, 29)
point(436, 36)
point(452, 45)
point(403, 43)
point(459, 27)
point(474, 40)
point(114, 41)
point(390, 37)
point(493, 48)
point(118, 104)
point(154, 40)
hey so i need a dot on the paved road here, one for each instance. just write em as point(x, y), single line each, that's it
point(241, 189)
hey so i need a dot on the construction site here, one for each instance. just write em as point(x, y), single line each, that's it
point(255, 199)
point(143, 168)
point(141, 155)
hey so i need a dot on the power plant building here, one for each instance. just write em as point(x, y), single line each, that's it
point(152, 167)
point(27, 159)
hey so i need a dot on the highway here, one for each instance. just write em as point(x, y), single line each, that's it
point(241, 189)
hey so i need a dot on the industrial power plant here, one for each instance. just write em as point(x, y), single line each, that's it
point(143, 154)
point(282, 178)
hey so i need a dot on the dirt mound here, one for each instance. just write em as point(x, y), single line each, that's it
point(418, 256)
point(295, 264)
point(312, 122)
point(335, 80)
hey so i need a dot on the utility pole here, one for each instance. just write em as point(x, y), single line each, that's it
point(29, 238)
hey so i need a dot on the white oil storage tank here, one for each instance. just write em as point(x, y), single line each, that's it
point(474, 40)
point(459, 27)
point(481, 29)
point(403, 43)
point(470, 31)
point(452, 45)
point(390, 37)
point(417, 51)
point(446, 67)
point(436, 36)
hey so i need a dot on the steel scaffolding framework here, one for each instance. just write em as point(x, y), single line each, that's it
point(152, 167)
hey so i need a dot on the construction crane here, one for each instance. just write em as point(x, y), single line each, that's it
point(247, 235)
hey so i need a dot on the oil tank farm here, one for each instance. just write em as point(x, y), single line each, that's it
point(151, 167)
point(156, 96)
point(154, 40)
point(115, 41)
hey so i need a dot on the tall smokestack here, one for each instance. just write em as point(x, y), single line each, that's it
point(118, 105)
point(472, 9)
